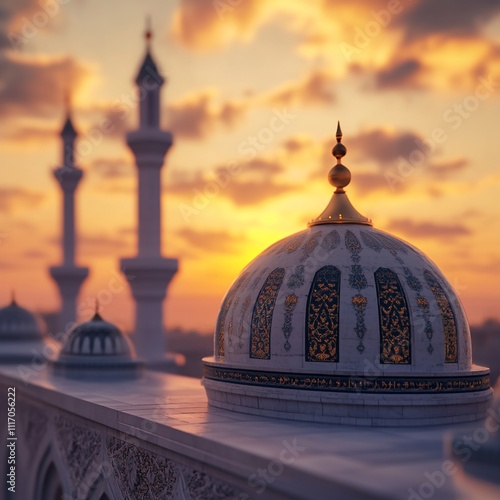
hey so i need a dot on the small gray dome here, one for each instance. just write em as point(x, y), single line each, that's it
point(97, 337)
point(97, 345)
point(17, 323)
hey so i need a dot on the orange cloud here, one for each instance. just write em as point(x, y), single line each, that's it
point(37, 86)
point(428, 229)
point(198, 114)
point(11, 198)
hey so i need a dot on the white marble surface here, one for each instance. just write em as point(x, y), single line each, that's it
point(337, 462)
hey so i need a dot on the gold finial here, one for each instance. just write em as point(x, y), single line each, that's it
point(340, 210)
point(13, 298)
point(96, 305)
point(339, 175)
point(148, 34)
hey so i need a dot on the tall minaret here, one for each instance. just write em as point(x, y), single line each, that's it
point(149, 274)
point(68, 276)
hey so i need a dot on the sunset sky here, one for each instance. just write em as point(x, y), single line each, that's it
point(254, 92)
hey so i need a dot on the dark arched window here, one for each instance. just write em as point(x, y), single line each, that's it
point(394, 319)
point(322, 316)
point(262, 316)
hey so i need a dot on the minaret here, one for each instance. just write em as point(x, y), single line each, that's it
point(68, 276)
point(149, 274)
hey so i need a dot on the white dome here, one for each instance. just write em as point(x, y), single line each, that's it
point(347, 317)
point(340, 296)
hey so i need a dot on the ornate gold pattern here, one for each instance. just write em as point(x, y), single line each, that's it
point(357, 280)
point(391, 245)
point(221, 320)
point(258, 278)
point(370, 241)
point(414, 283)
point(346, 383)
point(395, 330)
point(297, 278)
point(243, 313)
point(262, 317)
point(322, 316)
point(309, 246)
point(290, 303)
point(331, 241)
point(295, 281)
point(447, 317)
point(294, 244)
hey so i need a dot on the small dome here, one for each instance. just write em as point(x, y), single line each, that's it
point(345, 323)
point(21, 334)
point(17, 323)
point(97, 345)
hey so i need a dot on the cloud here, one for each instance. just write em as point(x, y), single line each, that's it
point(10, 13)
point(102, 245)
point(112, 168)
point(198, 114)
point(428, 229)
point(315, 88)
point(210, 25)
point(381, 145)
point(35, 134)
point(34, 254)
point(445, 169)
point(11, 198)
point(375, 157)
point(36, 86)
point(211, 241)
point(253, 183)
point(457, 18)
point(400, 74)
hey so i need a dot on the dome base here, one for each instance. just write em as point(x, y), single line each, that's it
point(391, 402)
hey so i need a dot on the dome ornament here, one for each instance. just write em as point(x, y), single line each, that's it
point(340, 209)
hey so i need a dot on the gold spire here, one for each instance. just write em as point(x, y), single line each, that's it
point(340, 210)
point(13, 298)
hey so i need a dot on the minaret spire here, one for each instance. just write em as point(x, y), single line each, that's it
point(68, 276)
point(340, 209)
point(150, 272)
point(148, 34)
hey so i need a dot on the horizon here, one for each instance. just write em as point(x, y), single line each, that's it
point(416, 94)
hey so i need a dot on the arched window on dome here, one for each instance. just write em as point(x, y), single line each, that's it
point(322, 316)
point(394, 319)
point(221, 320)
point(262, 316)
point(447, 317)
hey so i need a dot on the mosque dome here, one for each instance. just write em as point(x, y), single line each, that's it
point(20, 333)
point(97, 346)
point(345, 323)
point(18, 323)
